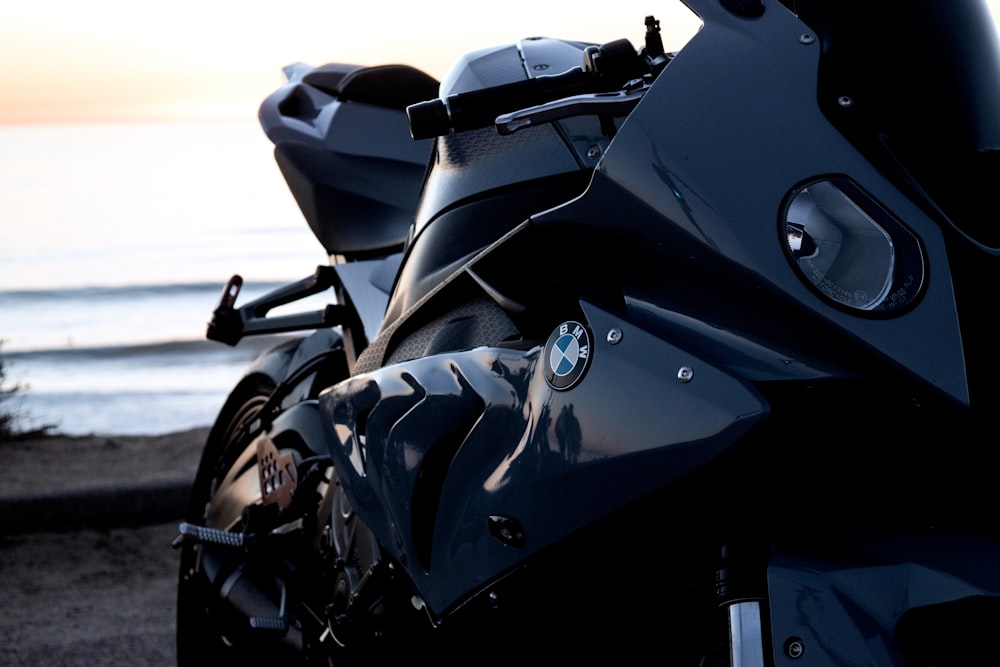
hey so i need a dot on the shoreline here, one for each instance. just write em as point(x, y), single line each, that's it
point(70, 480)
point(82, 461)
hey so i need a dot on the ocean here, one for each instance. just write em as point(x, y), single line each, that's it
point(115, 243)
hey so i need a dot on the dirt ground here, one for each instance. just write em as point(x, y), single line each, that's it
point(82, 592)
point(89, 597)
point(56, 464)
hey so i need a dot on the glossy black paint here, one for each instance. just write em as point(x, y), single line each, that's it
point(707, 193)
point(554, 461)
point(861, 598)
point(343, 146)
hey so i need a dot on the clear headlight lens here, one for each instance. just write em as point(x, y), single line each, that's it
point(849, 248)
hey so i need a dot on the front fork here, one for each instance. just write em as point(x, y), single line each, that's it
point(741, 586)
point(746, 637)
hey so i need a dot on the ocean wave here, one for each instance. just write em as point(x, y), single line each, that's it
point(121, 413)
point(122, 292)
point(93, 319)
point(166, 351)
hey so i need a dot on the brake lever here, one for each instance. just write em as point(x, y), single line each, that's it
point(618, 103)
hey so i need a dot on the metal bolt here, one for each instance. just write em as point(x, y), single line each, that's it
point(540, 68)
point(807, 39)
point(615, 336)
point(794, 648)
point(593, 153)
point(685, 374)
point(845, 101)
point(327, 539)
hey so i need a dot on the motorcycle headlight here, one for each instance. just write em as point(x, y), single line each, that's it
point(851, 249)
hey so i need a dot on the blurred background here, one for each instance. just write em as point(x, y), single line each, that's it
point(134, 179)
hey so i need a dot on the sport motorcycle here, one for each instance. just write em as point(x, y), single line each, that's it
point(629, 356)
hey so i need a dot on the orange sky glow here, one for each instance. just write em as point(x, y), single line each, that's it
point(126, 60)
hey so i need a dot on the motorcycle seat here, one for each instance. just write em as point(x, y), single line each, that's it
point(392, 86)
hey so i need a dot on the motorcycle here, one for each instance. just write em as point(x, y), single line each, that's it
point(632, 353)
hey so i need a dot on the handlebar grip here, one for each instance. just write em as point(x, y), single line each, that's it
point(480, 108)
point(428, 119)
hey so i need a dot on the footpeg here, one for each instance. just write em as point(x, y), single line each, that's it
point(277, 624)
point(192, 534)
point(230, 324)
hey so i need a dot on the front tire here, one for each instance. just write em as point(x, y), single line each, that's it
point(203, 631)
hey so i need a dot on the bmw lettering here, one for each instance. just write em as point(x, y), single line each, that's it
point(567, 355)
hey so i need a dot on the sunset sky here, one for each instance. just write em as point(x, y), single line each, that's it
point(64, 60)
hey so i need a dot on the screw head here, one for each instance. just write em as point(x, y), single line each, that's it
point(845, 101)
point(615, 336)
point(807, 39)
point(685, 374)
point(794, 648)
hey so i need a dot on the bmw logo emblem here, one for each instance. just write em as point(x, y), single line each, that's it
point(567, 355)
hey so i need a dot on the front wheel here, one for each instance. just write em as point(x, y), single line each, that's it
point(210, 632)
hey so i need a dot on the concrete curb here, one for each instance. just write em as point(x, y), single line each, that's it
point(140, 504)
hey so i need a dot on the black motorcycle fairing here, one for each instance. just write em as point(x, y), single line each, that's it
point(367, 285)
point(454, 287)
point(918, 83)
point(467, 164)
point(373, 219)
point(673, 291)
point(286, 356)
point(923, 81)
point(878, 585)
point(480, 185)
point(342, 143)
point(407, 471)
point(915, 86)
point(458, 234)
point(758, 80)
point(894, 57)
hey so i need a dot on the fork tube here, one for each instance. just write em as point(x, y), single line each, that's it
point(746, 640)
point(741, 586)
